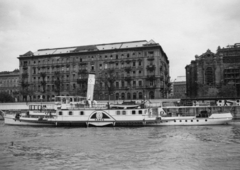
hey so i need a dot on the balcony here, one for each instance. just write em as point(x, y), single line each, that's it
point(25, 75)
point(151, 86)
point(150, 58)
point(128, 69)
point(161, 78)
point(82, 63)
point(151, 67)
point(82, 80)
point(128, 78)
point(83, 71)
point(151, 78)
point(128, 61)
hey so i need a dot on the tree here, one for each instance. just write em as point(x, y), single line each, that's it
point(108, 79)
point(43, 82)
point(82, 82)
point(24, 90)
point(57, 82)
point(228, 90)
point(5, 97)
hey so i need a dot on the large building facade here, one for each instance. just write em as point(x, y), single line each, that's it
point(9, 82)
point(209, 72)
point(125, 70)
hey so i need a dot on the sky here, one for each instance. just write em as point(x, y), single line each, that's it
point(184, 28)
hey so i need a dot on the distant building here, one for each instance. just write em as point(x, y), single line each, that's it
point(179, 87)
point(125, 70)
point(209, 72)
point(9, 82)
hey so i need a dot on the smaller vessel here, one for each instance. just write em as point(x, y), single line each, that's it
point(37, 115)
point(192, 115)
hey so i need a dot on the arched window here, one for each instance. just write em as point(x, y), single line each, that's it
point(134, 95)
point(151, 95)
point(129, 95)
point(123, 96)
point(209, 76)
point(117, 96)
point(140, 95)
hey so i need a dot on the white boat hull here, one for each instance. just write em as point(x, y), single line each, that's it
point(11, 120)
point(191, 122)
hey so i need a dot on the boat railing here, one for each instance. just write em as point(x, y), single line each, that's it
point(85, 107)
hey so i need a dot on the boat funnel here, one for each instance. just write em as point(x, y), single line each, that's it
point(90, 88)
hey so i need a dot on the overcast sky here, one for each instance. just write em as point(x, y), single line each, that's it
point(184, 28)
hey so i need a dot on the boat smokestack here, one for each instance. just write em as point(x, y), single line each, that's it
point(90, 88)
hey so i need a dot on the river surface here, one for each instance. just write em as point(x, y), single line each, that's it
point(170, 147)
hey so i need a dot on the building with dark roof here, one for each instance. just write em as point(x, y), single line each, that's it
point(124, 70)
point(210, 72)
point(9, 82)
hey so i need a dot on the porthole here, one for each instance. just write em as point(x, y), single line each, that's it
point(180, 121)
point(185, 120)
point(174, 120)
point(197, 120)
point(191, 120)
point(81, 113)
point(59, 113)
point(133, 112)
point(140, 112)
point(70, 113)
point(205, 120)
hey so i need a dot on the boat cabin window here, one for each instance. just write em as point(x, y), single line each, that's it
point(59, 113)
point(82, 113)
point(70, 113)
point(118, 112)
point(124, 112)
point(133, 112)
point(140, 112)
point(185, 120)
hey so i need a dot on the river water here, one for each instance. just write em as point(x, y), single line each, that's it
point(170, 147)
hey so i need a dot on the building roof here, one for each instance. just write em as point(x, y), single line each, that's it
point(93, 48)
point(88, 48)
point(180, 79)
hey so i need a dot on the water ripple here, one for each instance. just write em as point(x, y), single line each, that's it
point(194, 148)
